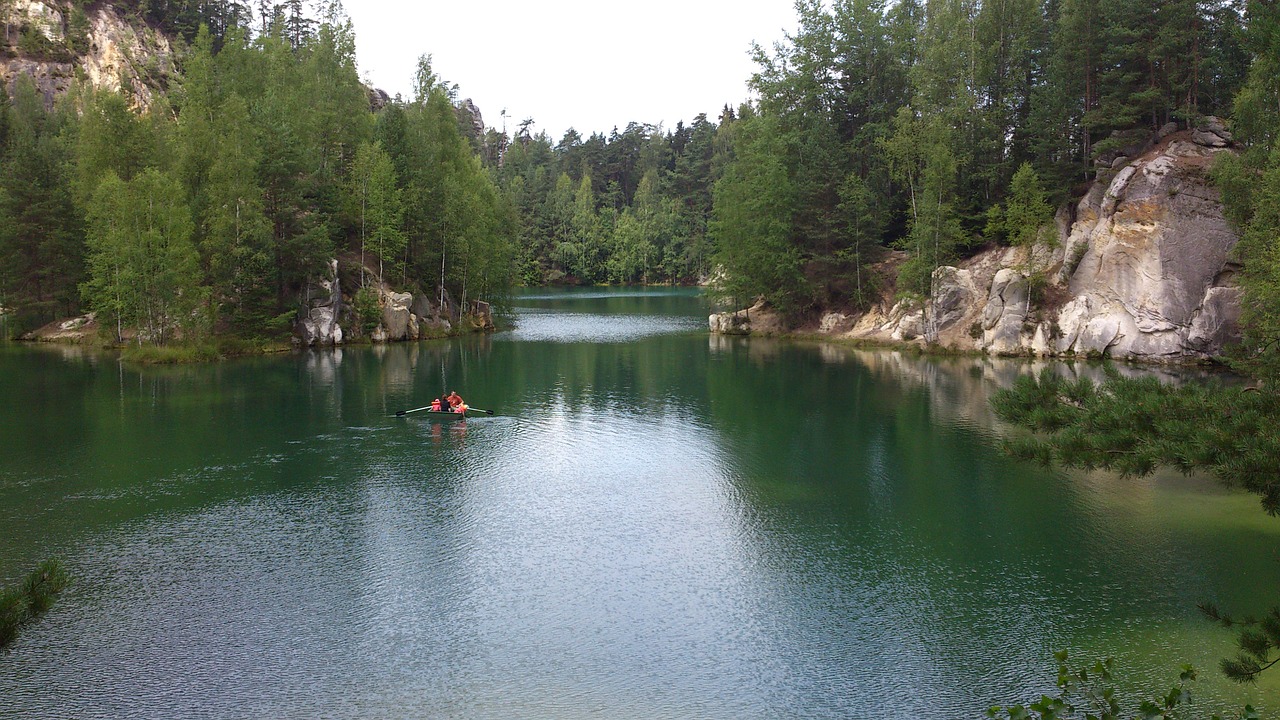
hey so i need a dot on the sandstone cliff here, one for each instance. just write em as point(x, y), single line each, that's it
point(56, 43)
point(1142, 270)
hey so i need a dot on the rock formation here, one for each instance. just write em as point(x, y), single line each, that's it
point(469, 114)
point(327, 310)
point(318, 323)
point(110, 52)
point(1142, 270)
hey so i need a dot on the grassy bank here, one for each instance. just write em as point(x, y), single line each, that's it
point(208, 351)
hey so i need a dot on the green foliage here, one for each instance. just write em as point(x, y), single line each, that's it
point(29, 600)
point(181, 354)
point(861, 235)
point(1025, 218)
point(1133, 425)
point(378, 205)
point(42, 236)
point(1259, 644)
point(921, 156)
point(1089, 693)
point(143, 265)
point(368, 311)
point(753, 204)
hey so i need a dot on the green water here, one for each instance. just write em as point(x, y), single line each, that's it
point(655, 524)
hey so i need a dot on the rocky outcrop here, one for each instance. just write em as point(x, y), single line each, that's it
point(401, 316)
point(319, 324)
point(469, 115)
point(378, 99)
point(1142, 270)
point(75, 331)
point(759, 319)
point(52, 42)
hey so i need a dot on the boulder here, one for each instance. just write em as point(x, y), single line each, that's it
point(433, 327)
point(1158, 244)
point(1005, 313)
point(319, 327)
point(423, 307)
point(953, 295)
point(396, 314)
point(1218, 322)
point(470, 117)
point(759, 319)
point(1209, 139)
point(832, 323)
point(1211, 132)
point(378, 99)
point(1071, 320)
point(906, 321)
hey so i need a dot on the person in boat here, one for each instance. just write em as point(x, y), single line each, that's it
point(461, 407)
point(443, 401)
point(454, 400)
point(435, 405)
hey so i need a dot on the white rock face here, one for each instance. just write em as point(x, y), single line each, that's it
point(1157, 245)
point(396, 315)
point(831, 321)
point(1007, 308)
point(43, 17)
point(319, 323)
point(1143, 263)
point(119, 55)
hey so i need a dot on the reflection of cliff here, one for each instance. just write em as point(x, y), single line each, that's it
point(960, 388)
point(888, 461)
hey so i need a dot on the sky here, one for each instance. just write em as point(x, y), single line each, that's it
point(587, 64)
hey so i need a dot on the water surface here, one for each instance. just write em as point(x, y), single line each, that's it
point(654, 524)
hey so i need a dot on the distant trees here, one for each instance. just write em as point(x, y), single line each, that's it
point(927, 126)
point(633, 206)
point(143, 267)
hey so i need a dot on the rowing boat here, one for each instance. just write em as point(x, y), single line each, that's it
point(443, 415)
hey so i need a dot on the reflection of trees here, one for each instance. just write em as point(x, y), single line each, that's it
point(888, 459)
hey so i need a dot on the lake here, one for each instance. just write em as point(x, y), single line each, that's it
point(654, 523)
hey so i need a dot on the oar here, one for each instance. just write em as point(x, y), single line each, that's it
point(402, 413)
point(471, 410)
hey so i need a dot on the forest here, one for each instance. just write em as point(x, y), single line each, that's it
point(932, 128)
point(209, 212)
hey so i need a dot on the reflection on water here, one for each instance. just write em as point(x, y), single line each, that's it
point(653, 524)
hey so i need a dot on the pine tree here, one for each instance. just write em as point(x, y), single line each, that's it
point(41, 246)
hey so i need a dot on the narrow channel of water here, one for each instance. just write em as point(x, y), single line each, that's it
point(655, 523)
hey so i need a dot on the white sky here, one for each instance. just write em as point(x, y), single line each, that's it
point(587, 64)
